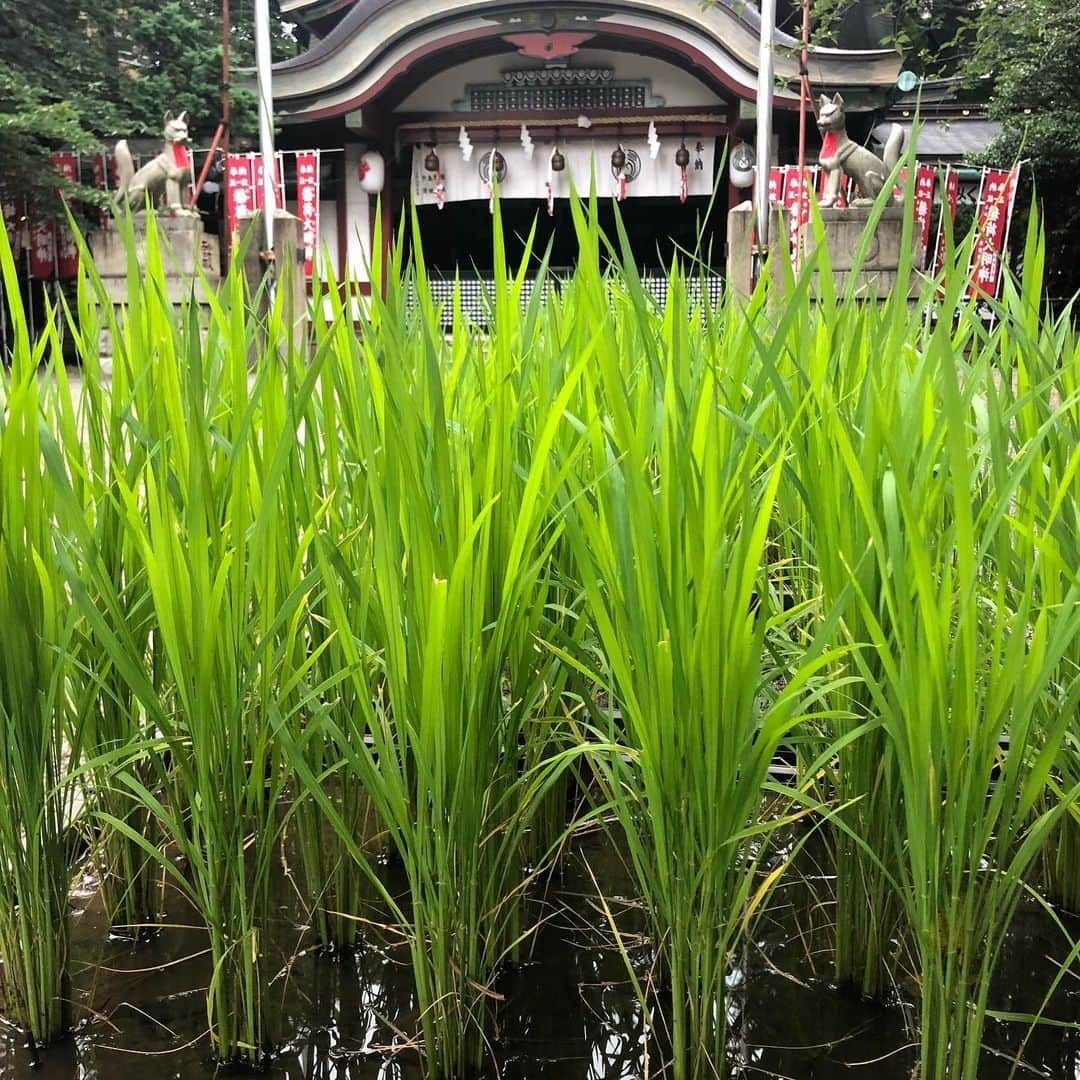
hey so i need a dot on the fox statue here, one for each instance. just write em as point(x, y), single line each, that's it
point(840, 156)
point(170, 171)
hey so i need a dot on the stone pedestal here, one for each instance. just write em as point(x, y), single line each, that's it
point(185, 246)
point(878, 273)
point(187, 250)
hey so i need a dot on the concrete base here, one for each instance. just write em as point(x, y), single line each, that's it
point(185, 246)
point(187, 250)
point(878, 273)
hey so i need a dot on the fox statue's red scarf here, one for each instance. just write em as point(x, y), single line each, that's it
point(180, 156)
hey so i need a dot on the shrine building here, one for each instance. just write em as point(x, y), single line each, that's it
point(421, 102)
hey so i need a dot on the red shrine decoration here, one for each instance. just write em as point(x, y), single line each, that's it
point(552, 46)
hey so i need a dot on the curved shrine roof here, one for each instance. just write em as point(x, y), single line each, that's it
point(380, 41)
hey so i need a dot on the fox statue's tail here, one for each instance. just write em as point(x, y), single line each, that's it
point(894, 147)
point(125, 166)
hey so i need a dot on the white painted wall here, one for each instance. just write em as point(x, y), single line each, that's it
point(328, 242)
point(358, 215)
point(677, 86)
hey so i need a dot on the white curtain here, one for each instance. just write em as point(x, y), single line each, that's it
point(526, 179)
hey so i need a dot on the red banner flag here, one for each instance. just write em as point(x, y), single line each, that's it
point(995, 212)
point(307, 200)
point(239, 196)
point(257, 173)
point(10, 211)
point(97, 163)
point(925, 179)
point(67, 252)
point(776, 184)
point(42, 249)
point(797, 202)
point(952, 197)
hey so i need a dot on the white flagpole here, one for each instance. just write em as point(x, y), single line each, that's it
point(764, 129)
point(266, 115)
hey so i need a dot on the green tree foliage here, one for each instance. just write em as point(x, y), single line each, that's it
point(73, 73)
point(1029, 47)
point(175, 57)
point(60, 79)
point(932, 35)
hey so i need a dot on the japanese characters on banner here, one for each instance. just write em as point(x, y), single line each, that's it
point(244, 187)
point(952, 197)
point(995, 211)
point(307, 200)
point(10, 211)
point(239, 196)
point(797, 202)
point(925, 179)
point(42, 248)
point(67, 252)
point(244, 194)
point(776, 184)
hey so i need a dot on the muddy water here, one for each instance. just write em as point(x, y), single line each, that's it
point(568, 1011)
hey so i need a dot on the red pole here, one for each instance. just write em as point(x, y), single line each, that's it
point(804, 96)
point(221, 130)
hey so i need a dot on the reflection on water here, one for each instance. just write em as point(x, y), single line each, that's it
point(567, 1011)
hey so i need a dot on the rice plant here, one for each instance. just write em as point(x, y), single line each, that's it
point(99, 448)
point(435, 614)
point(668, 522)
point(36, 848)
point(387, 597)
point(1039, 390)
point(200, 516)
point(963, 650)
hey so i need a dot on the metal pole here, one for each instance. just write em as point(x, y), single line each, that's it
point(764, 129)
point(266, 117)
point(226, 73)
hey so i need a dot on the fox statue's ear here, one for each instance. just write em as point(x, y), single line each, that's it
point(183, 116)
point(837, 99)
point(169, 117)
point(823, 101)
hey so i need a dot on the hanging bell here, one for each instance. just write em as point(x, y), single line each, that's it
point(618, 159)
point(498, 163)
point(558, 162)
point(682, 156)
point(431, 162)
